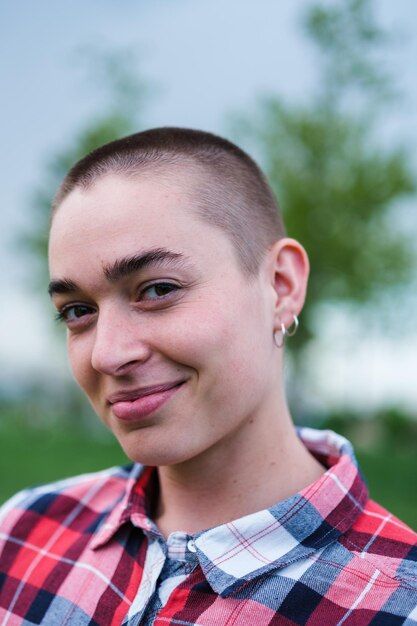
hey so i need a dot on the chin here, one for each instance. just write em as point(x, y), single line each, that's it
point(154, 453)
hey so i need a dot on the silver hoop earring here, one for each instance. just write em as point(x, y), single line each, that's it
point(280, 335)
point(293, 328)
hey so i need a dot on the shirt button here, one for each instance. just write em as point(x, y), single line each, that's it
point(191, 546)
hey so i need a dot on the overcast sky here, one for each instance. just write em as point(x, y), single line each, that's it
point(206, 59)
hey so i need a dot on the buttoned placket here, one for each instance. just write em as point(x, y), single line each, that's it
point(167, 564)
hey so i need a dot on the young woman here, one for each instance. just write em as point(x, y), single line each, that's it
point(171, 269)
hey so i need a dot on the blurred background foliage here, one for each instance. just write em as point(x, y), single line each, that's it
point(340, 185)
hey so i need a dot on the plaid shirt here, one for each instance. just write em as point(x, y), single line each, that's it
point(83, 551)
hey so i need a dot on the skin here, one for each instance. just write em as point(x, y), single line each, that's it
point(223, 441)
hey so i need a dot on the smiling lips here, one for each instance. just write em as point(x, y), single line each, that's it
point(137, 404)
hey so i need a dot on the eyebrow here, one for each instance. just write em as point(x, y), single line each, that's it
point(124, 267)
point(63, 286)
point(131, 264)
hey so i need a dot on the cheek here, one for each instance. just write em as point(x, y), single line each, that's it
point(79, 356)
point(227, 342)
point(241, 354)
point(196, 337)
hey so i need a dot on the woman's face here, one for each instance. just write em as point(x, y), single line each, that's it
point(170, 341)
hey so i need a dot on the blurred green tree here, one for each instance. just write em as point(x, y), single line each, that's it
point(337, 183)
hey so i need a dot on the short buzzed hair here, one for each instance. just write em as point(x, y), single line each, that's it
point(229, 190)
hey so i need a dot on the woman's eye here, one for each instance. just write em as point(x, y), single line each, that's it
point(157, 291)
point(74, 313)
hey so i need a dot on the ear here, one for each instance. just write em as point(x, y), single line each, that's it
point(288, 271)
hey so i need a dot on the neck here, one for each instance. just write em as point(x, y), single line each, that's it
point(258, 467)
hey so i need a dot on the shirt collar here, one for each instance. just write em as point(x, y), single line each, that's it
point(234, 553)
point(131, 506)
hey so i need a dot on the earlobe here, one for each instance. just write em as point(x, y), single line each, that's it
point(289, 276)
point(281, 334)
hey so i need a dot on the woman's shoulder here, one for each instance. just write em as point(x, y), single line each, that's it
point(96, 490)
point(384, 541)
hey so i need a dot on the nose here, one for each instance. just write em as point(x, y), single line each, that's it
point(119, 342)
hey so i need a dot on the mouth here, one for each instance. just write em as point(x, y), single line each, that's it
point(135, 404)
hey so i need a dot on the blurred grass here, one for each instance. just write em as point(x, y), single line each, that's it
point(30, 456)
point(391, 476)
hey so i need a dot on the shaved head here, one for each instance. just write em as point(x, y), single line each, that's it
point(227, 188)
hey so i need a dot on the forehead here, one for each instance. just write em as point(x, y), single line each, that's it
point(112, 199)
point(119, 215)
